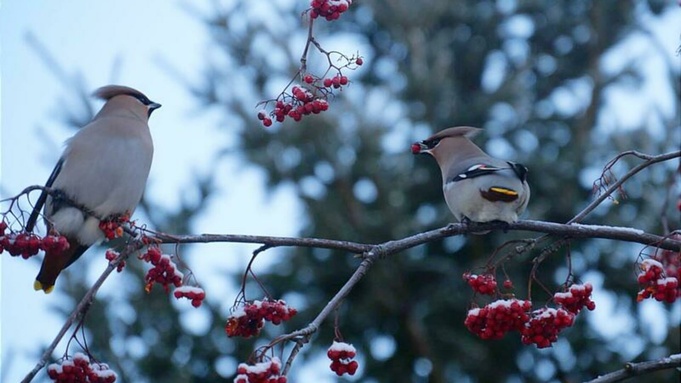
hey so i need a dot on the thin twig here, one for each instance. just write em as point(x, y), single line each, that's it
point(649, 160)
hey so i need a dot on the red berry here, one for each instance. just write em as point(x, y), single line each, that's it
point(352, 367)
point(359, 61)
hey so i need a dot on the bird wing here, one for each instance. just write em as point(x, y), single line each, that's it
point(33, 218)
point(476, 170)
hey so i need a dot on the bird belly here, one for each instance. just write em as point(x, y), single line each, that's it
point(465, 200)
point(71, 222)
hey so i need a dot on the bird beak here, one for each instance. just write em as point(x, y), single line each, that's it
point(419, 148)
point(152, 107)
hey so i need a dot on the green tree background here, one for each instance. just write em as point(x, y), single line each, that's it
point(535, 75)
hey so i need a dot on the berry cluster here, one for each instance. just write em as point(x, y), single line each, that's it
point(329, 9)
point(111, 256)
point(576, 298)
point(497, 318)
point(310, 98)
point(112, 228)
point(79, 369)
point(263, 372)
point(164, 272)
point(302, 103)
point(248, 320)
point(671, 261)
point(484, 284)
point(544, 326)
point(342, 355)
point(195, 294)
point(28, 244)
point(654, 283)
point(336, 82)
point(541, 327)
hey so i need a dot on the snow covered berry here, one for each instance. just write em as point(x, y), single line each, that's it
point(195, 294)
point(484, 284)
point(655, 284)
point(494, 320)
point(576, 298)
point(342, 357)
point(328, 9)
point(80, 369)
point(263, 372)
point(249, 319)
point(545, 325)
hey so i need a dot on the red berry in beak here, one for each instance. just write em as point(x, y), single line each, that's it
point(415, 148)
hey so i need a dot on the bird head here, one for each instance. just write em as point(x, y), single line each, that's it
point(449, 140)
point(110, 92)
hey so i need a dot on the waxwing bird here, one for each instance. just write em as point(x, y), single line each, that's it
point(103, 169)
point(477, 187)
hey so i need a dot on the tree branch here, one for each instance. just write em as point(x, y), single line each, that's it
point(564, 230)
point(631, 370)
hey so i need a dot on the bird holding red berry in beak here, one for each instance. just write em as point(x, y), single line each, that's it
point(477, 187)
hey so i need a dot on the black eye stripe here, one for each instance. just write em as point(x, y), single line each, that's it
point(431, 143)
point(141, 98)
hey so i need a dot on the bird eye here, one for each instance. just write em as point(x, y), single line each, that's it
point(432, 143)
point(144, 100)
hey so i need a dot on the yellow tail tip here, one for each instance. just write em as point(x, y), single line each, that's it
point(37, 286)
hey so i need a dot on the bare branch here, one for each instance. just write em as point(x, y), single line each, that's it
point(649, 160)
point(391, 247)
point(631, 370)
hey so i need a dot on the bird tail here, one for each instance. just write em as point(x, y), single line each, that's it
point(54, 262)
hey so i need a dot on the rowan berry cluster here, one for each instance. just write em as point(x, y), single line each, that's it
point(164, 272)
point(545, 325)
point(576, 298)
point(655, 284)
point(111, 256)
point(671, 260)
point(80, 370)
point(195, 294)
point(249, 319)
point(540, 327)
point(112, 227)
point(494, 320)
point(263, 372)
point(484, 284)
point(27, 245)
point(329, 9)
point(342, 355)
point(302, 103)
point(311, 97)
